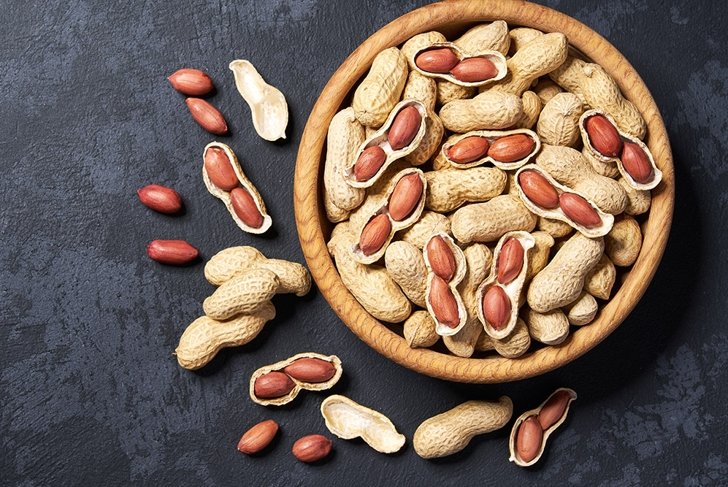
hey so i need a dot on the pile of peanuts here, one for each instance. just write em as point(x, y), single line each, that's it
point(484, 190)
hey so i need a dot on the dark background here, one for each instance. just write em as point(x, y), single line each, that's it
point(90, 391)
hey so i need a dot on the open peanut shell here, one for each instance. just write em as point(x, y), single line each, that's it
point(495, 57)
point(267, 104)
point(395, 224)
point(298, 385)
point(656, 175)
point(348, 420)
point(514, 457)
point(244, 182)
point(460, 270)
point(557, 213)
point(379, 138)
point(513, 289)
point(491, 136)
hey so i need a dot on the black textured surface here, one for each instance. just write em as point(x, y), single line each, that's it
point(90, 391)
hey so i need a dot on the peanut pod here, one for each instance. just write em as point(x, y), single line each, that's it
point(499, 296)
point(377, 153)
point(509, 149)
point(249, 211)
point(489, 221)
point(527, 442)
point(490, 110)
point(308, 371)
point(378, 93)
point(533, 183)
point(441, 295)
point(204, 337)
point(449, 189)
point(447, 61)
point(245, 294)
point(347, 419)
point(606, 143)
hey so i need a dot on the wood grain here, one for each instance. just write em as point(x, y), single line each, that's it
point(452, 18)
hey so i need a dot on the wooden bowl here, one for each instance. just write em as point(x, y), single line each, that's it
point(452, 18)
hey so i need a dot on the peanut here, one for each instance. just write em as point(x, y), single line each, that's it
point(191, 82)
point(510, 261)
point(160, 198)
point(310, 369)
point(419, 330)
point(404, 127)
point(405, 264)
point(568, 167)
point(245, 207)
point(273, 385)
point(558, 123)
point(603, 136)
point(257, 438)
point(219, 169)
point(496, 307)
point(474, 70)
point(380, 90)
point(443, 303)
point(529, 438)
point(579, 210)
point(624, 242)
point(312, 448)
point(429, 223)
point(554, 408)
point(600, 280)
point(561, 281)
point(449, 189)
point(371, 285)
point(172, 252)
point(511, 148)
point(441, 258)
point(582, 311)
point(437, 60)
point(344, 138)
point(369, 163)
point(636, 162)
point(348, 419)
point(486, 222)
point(538, 57)
point(405, 196)
point(550, 328)
point(538, 189)
point(201, 341)
point(468, 149)
point(488, 110)
point(245, 294)
point(375, 234)
point(235, 261)
point(207, 116)
point(451, 431)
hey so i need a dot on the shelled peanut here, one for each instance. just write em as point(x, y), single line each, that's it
point(523, 148)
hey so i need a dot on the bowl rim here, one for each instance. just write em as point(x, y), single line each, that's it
point(311, 220)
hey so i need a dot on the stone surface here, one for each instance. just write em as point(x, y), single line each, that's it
point(90, 391)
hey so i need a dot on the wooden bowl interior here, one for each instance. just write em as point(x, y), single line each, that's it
point(452, 19)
